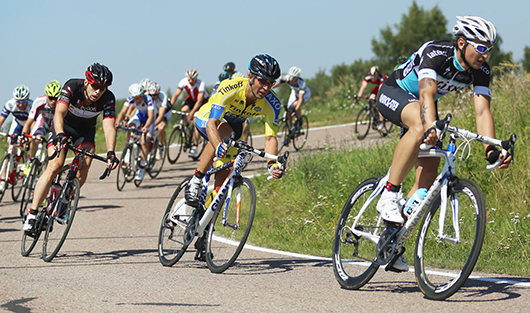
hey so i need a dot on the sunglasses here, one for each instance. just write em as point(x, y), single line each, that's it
point(22, 101)
point(480, 48)
point(265, 82)
point(52, 98)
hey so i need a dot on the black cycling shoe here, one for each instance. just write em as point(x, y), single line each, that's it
point(200, 245)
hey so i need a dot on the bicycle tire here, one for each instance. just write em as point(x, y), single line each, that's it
point(230, 238)
point(175, 144)
point(155, 165)
point(124, 170)
point(4, 168)
point(29, 187)
point(363, 123)
point(29, 242)
point(171, 243)
point(432, 253)
point(300, 136)
point(388, 128)
point(283, 129)
point(54, 239)
point(18, 179)
point(353, 270)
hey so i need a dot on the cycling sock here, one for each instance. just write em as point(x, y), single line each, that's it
point(199, 174)
point(392, 187)
point(388, 194)
point(32, 211)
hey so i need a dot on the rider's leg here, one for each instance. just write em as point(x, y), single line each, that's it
point(426, 172)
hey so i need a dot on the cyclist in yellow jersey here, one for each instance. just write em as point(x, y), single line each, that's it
point(237, 99)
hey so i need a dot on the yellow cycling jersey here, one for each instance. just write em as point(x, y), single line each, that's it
point(229, 103)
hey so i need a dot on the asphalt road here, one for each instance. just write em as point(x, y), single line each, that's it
point(109, 263)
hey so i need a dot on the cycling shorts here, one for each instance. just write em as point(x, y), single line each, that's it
point(88, 134)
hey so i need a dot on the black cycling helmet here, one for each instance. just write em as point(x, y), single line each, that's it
point(223, 76)
point(98, 74)
point(264, 66)
point(229, 67)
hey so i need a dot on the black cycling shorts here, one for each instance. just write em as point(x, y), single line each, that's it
point(88, 134)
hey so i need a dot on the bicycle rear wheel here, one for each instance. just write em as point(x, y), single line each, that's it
point(29, 187)
point(354, 255)
point(228, 233)
point(434, 253)
point(4, 168)
point(388, 127)
point(363, 123)
point(154, 165)
point(200, 148)
point(175, 143)
point(124, 170)
point(171, 241)
point(283, 135)
point(300, 135)
point(61, 219)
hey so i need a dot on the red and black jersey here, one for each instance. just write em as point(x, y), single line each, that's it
point(375, 79)
point(83, 115)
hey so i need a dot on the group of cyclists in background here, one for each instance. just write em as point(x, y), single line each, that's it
point(407, 98)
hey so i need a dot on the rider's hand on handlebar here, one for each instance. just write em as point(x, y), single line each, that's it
point(356, 99)
point(112, 160)
point(430, 136)
point(221, 150)
point(60, 141)
point(493, 154)
point(275, 171)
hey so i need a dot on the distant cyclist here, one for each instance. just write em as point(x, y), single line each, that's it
point(163, 113)
point(143, 120)
point(76, 112)
point(41, 114)
point(197, 96)
point(300, 93)
point(407, 99)
point(19, 106)
point(377, 78)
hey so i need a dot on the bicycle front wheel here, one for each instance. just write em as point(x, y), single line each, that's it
point(457, 249)
point(61, 220)
point(124, 170)
point(4, 171)
point(300, 135)
point(283, 135)
point(363, 123)
point(231, 226)
point(171, 241)
point(29, 187)
point(29, 242)
point(175, 143)
point(355, 245)
point(18, 181)
point(154, 161)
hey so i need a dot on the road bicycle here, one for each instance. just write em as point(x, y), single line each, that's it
point(288, 131)
point(34, 169)
point(451, 233)
point(12, 166)
point(228, 216)
point(181, 139)
point(130, 158)
point(368, 118)
point(61, 205)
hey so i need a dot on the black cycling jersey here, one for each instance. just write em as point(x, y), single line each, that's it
point(437, 60)
point(80, 114)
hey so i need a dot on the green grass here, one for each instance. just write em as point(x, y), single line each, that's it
point(299, 212)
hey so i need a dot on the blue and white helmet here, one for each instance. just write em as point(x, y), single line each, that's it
point(475, 28)
point(21, 92)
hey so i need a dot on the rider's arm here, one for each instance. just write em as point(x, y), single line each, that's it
point(150, 119)
point(363, 88)
point(197, 106)
point(110, 133)
point(2, 120)
point(428, 92)
point(58, 117)
point(213, 132)
point(161, 113)
point(175, 96)
point(122, 113)
point(277, 84)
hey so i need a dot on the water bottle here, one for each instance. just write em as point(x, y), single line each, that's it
point(54, 190)
point(413, 202)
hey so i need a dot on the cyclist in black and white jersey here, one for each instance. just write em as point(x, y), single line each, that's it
point(76, 112)
point(300, 92)
point(408, 99)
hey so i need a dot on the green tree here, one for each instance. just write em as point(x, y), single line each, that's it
point(526, 59)
point(497, 56)
point(415, 28)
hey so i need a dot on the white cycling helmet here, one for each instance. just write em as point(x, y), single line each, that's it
point(238, 74)
point(136, 90)
point(21, 92)
point(374, 69)
point(153, 88)
point(192, 74)
point(145, 83)
point(295, 71)
point(475, 28)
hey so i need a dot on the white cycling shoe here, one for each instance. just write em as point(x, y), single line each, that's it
point(193, 152)
point(140, 174)
point(389, 210)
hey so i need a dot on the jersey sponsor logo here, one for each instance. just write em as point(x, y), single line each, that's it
point(257, 109)
point(436, 53)
point(273, 100)
point(408, 69)
point(388, 102)
point(230, 87)
point(485, 69)
point(446, 87)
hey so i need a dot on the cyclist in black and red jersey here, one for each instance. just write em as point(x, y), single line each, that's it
point(377, 78)
point(76, 112)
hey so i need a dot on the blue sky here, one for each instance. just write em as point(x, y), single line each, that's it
point(46, 40)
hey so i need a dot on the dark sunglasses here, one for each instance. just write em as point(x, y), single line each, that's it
point(480, 48)
point(52, 98)
point(265, 82)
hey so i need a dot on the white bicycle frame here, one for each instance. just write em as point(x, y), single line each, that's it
point(439, 187)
